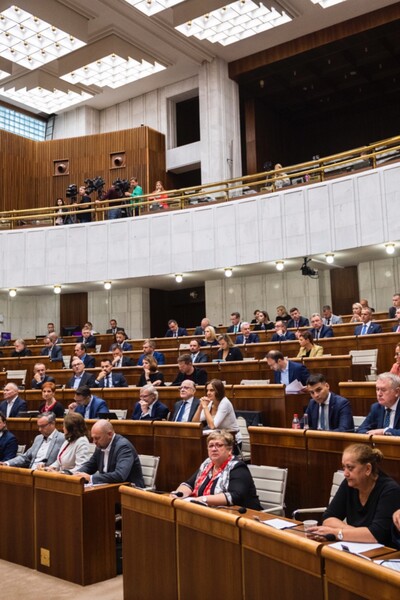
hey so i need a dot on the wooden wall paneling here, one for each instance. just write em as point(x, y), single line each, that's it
point(73, 309)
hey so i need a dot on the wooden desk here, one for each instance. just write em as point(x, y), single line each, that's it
point(77, 528)
point(360, 394)
point(149, 537)
point(268, 399)
point(17, 525)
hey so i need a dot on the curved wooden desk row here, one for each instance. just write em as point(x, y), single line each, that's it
point(200, 552)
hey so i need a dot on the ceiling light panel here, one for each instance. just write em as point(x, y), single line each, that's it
point(327, 3)
point(151, 7)
point(234, 22)
point(31, 42)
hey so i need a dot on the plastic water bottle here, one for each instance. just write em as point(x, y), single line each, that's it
point(296, 421)
point(305, 422)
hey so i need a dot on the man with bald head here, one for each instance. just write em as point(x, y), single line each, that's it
point(115, 460)
point(185, 408)
point(12, 405)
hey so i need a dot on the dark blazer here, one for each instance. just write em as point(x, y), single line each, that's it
point(372, 328)
point(89, 361)
point(38, 385)
point(118, 380)
point(123, 464)
point(97, 406)
point(8, 446)
point(19, 406)
point(199, 330)
point(233, 354)
point(296, 371)
point(54, 353)
point(263, 326)
point(340, 414)
point(58, 409)
point(157, 376)
point(115, 331)
point(87, 379)
point(199, 376)
point(324, 332)
point(395, 327)
point(125, 346)
point(181, 331)
point(159, 356)
point(231, 328)
point(392, 312)
point(252, 339)
point(200, 358)
point(24, 352)
point(204, 343)
point(303, 322)
point(126, 362)
point(289, 335)
point(375, 420)
point(193, 408)
point(89, 342)
point(159, 412)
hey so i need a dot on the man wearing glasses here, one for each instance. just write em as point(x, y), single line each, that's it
point(185, 408)
point(149, 408)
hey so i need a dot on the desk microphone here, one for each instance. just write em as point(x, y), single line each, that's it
point(242, 510)
point(330, 537)
point(177, 494)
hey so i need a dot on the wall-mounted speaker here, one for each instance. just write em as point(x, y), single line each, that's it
point(117, 160)
point(61, 167)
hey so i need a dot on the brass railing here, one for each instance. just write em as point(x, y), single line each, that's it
point(336, 165)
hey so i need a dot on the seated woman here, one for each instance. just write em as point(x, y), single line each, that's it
point(396, 367)
point(307, 346)
point(227, 350)
point(210, 337)
point(216, 411)
point(362, 508)
point(222, 479)
point(150, 374)
point(20, 348)
point(50, 403)
point(75, 451)
point(263, 323)
point(282, 314)
point(356, 308)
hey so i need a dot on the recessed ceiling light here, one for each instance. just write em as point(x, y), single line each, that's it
point(151, 7)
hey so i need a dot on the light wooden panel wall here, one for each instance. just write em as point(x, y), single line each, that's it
point(17, 174)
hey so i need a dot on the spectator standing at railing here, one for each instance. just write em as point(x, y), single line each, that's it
point(83, 204)
point(61, 212)
point(280, 183)
point(137, 190)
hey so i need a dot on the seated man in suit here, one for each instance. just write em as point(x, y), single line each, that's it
point(188, 371)
point(149, 408)
point(329, 318)
point(368, 326)
point(40, 377)
point(114, 328)
point(80, 377)
point(174, 330)
point(21, 349)
point(296, 319)
point(235, 323)
point(120, 341)
point(107, 378)
point(246, 337)
point(185, 408)
point(196, 354)
point(201, 328)
point(87, 338)
point(51, 349)
point(396, 328)
point(8, 441)
point(115, 460)
point(396, 305)
point(45, 447)
point(149, 349)
point(12, 405)
point(119, 360)
point(286, 371)
point(384, 416)
point(87, 405)
point(319, 330)
point(327, 411)
point(88, 360)
point(281, 333)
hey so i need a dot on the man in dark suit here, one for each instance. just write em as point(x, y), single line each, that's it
point(114, 327)
point(188, 371)
point(115, 460)
point(149, 408)
point(195, 353)
point(80, 377)
point(174, 330)
point(286, 371)
point(40, 377)
point(81, 352)
point(246, 337)
point(119, 360)
point(8, 441)
point(368, 326)
point(87, 405)
point(319, 330)
point(281, 333)
point(51, 349)
point(12, 405)
point(384, 416)
point(396, 305)
point(396, 328)
point(297, 320)
point(87, 338)
point(327, 411)
point(235, 323)
point(185, 408)
point(149, 349)
point(201, 328)
point(107, 378)
point(120, 340)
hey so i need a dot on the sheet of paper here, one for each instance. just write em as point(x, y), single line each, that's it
point(295, 387)
point(355, 547)
point(279, 523)
point(390, 564)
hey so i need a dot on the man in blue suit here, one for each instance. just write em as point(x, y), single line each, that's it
point(87, 405)
point(174, 330)
point(186, 407)
point(384, 416)
point(51, 349)
point(286, 371)
point(297, 320)
point(327, 411)
point(8, 441)
point(81, 352)
point(149, 408)
point(149, 349)
point(368, 326)
point(120, 340)
point(80, 377)
point(281, 333)
point(12, 405)
point(246, 337)
point(107, 378)
point(319, 330)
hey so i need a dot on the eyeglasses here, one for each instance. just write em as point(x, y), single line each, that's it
point(216, 445)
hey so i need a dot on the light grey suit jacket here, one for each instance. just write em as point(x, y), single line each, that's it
point(28, 458)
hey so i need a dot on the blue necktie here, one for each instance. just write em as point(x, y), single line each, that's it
point(364, 330)
point(179, 416)
point(386, 422)
point(323, 417)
